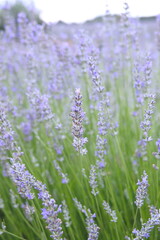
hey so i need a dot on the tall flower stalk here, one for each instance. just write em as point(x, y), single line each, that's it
point(145, 125)
point(142, 190)
point(78, 115)
point(91, 226)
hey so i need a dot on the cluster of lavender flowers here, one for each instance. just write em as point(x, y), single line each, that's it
point(105, 126)
point(138, 85)
point(52, 67)
point(96, 76)
point(40, 105)
point(142, 81)
point(83, 43)
point(101, 141)
point(7, 142)
point(93, 180)
point(26, 183)
point(105, 122)
point(145, 125)
point(125, 29)
point(50, 213)
point(111, 212)
point(142, 190)
point(147, 227)
point(91, 226)
point(6, 132)
point(64, 177)
point(77, 115)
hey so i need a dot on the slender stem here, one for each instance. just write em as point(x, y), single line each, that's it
point(13, 235)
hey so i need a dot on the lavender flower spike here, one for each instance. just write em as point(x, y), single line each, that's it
point(93, 180)
point(25, 183)
point(91, 226)
point(77, 115)
point(111, 212)
point(141, 193)
point(147, 227)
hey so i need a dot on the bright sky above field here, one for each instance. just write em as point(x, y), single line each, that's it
point(81, 10)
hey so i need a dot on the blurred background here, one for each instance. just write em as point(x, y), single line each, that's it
point(79, 11)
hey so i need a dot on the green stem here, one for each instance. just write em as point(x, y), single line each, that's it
point(13, 235)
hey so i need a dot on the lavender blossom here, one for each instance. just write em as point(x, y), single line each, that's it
point(40, 105)
point(78, 204)
point(111, 212)
point(93, 180)
point(83, 43)
point(31, 66)
point(147, 227)
point(138, 85)
point(142, 190)
point(26, 183)
point(105, 126)
point(142, 81)
point(96, 77)
point(91, 226)
point(64, 176)
point(77, 115)
point(127, 238)
point(6, 132)
point(155, 166)
point(21, 177)
point(147, 72)
point(145, 125)
point(50, 212)
point(27, 130)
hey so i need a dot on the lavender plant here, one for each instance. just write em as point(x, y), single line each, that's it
point(77, 115)
point(91, 226)
point(142, 190)
point(47, 191)
point(147, 227)
point(111, 212)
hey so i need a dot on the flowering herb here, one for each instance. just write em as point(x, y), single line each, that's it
point(77, 115)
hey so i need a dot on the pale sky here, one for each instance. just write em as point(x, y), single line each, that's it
point(81, 10)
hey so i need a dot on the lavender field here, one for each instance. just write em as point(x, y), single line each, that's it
point(80, 129)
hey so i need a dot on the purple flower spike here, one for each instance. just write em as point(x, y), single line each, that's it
point(147, 227)
point(77, 115)
point(142, 190)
